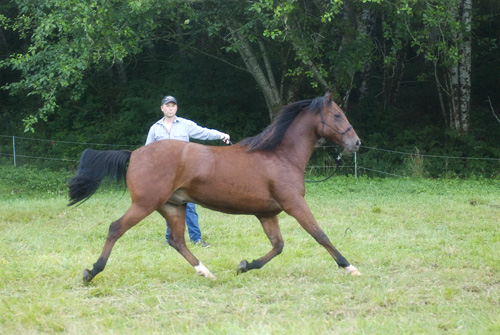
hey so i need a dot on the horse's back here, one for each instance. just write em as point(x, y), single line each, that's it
point(164, 154)
point(168, 164)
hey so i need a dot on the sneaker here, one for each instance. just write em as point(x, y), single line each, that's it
point(202, 243)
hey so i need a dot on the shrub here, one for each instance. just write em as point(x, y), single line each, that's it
point(27, 178)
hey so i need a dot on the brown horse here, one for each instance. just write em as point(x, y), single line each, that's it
point(262, 175)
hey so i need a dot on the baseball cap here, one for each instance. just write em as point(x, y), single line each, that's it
point(168, 99)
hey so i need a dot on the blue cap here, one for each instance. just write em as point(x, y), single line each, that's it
point(168, 99)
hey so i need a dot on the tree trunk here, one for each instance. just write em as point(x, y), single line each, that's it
point(122, 72)
point(460, 72)
point(366, 27)
point(263, 77)
point(4, 45)
point(440, 90)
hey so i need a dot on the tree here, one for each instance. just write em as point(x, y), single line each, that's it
point(66, 38)
point(286, 45)
point(232, 26)
point(460, 72)
point(291, 48)
point(440, 30)
point(331, 40)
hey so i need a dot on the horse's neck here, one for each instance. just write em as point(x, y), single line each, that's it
point(299, 141)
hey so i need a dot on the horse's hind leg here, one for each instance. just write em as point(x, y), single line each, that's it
point(176, 218)
point(272, 230)
point(133, 216)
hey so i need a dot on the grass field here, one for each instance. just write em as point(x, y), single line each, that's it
point(428, 250)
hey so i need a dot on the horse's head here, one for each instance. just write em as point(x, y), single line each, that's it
point(334, 126)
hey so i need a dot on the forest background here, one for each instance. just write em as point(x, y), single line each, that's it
point(416, 76)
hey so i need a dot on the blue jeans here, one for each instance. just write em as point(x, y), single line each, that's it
point(191, 222)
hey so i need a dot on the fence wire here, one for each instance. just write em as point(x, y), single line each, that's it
point(369, 161)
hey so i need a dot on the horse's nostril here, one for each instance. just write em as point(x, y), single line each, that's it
point(358, 143)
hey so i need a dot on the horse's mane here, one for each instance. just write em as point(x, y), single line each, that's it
point(269, 139)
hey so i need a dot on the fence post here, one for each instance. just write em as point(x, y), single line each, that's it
point(355, 167)
point(14, 149)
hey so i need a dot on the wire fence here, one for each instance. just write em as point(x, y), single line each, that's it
point(369, 161)
point(37, 151)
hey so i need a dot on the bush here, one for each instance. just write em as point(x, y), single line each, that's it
point(27, 178)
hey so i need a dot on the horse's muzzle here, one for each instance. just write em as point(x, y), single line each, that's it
point(352, 145)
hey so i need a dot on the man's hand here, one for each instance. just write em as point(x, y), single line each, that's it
point(226, 138)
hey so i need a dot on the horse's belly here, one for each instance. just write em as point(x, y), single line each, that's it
point(238, 204)
point(229, 202)
point(255, 208)
point(180, 197)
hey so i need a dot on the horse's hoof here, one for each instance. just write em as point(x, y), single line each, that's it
point(352, 271)
point(87, 276)
point(243, 267)
point(203, 271)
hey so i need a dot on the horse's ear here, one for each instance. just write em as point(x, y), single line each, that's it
point(329, 96)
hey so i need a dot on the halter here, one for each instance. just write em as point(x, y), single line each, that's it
point(342, 133)
point(338, 159)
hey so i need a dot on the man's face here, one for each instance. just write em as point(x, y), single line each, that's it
point(169, 110)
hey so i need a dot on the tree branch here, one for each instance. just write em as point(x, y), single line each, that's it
point(249, 57)
point(492, 110)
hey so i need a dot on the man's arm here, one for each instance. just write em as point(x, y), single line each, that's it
point(201, 133)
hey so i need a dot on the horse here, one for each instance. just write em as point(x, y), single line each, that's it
point(262, 175)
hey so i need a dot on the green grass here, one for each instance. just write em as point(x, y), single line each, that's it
point(428, 250)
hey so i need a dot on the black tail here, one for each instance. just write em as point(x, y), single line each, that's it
point(93, 167)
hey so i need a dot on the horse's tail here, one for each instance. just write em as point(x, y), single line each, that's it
point(93, 167)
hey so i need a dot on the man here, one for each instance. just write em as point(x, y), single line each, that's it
point(173, 127)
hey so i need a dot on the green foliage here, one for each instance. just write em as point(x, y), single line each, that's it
point(68, 38)
point(422, 154)
point(329, 49)
point(433, 28)
point(27, 179)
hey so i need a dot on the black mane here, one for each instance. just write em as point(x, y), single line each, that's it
point(271, 136)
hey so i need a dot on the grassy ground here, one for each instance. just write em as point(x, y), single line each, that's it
point(429, 252)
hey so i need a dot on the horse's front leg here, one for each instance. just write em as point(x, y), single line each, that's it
point(272, 230)
point(175, 215)
point(301, 212)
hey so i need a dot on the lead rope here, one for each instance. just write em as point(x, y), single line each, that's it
point(338, 161)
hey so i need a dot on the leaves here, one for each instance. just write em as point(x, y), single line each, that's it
point(299, 48)
point(68, 38)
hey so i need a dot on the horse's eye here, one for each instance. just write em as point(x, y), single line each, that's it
point(336, 116)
